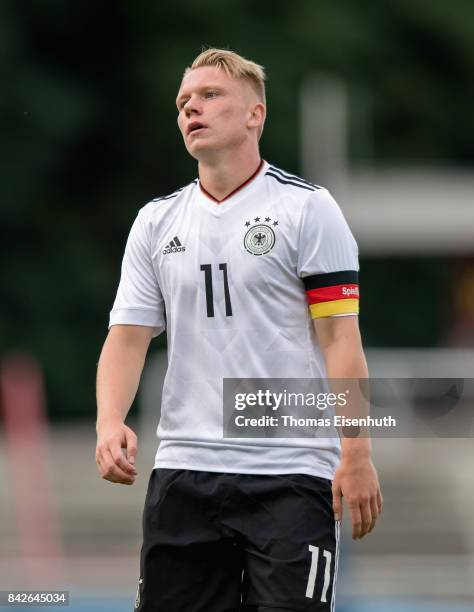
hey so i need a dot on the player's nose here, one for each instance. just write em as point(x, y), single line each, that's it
point(192, 106)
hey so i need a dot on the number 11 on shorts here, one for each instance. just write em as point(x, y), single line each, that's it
point(313, 570)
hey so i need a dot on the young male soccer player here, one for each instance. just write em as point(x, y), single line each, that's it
point(228, 265)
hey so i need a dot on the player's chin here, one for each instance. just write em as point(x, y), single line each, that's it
point(199, 148)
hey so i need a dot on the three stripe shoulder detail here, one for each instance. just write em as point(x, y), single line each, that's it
point(175, 193)
point(290, 179)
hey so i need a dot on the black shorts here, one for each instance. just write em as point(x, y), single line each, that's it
point(218, 542)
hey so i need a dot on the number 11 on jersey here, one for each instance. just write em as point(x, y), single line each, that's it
point(207, 269)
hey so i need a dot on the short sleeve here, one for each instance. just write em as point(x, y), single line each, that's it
point(139, 300)
point(328, 258)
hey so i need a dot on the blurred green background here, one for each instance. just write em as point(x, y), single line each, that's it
point(89, 135)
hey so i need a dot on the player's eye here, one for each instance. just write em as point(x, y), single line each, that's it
point(182, 103)
point(211, 94)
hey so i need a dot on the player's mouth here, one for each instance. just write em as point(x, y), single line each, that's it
point(195, 127)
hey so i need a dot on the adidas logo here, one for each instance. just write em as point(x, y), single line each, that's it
point(174, 246)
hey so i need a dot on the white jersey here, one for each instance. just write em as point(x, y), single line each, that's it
point(231, 282)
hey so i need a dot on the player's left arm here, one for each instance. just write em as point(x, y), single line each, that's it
point(356, 478)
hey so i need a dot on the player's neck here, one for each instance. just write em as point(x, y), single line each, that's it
point(224, 175)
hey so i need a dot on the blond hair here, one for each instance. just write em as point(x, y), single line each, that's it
point(233, 65)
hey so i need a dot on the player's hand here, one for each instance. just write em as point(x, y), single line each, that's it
point(356, 480)
point(113, 463)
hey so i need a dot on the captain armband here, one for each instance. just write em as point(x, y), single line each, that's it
point(334, 293)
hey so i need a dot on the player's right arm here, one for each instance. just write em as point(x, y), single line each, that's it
point(118, 375)
point(138, 315)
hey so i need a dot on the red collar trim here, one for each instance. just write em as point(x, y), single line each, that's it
point(249, 180)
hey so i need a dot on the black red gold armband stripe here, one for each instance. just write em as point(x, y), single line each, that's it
point(333, 293)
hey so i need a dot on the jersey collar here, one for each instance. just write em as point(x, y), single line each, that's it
point(251, 178)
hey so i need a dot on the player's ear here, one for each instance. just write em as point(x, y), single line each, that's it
point(256, 115)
